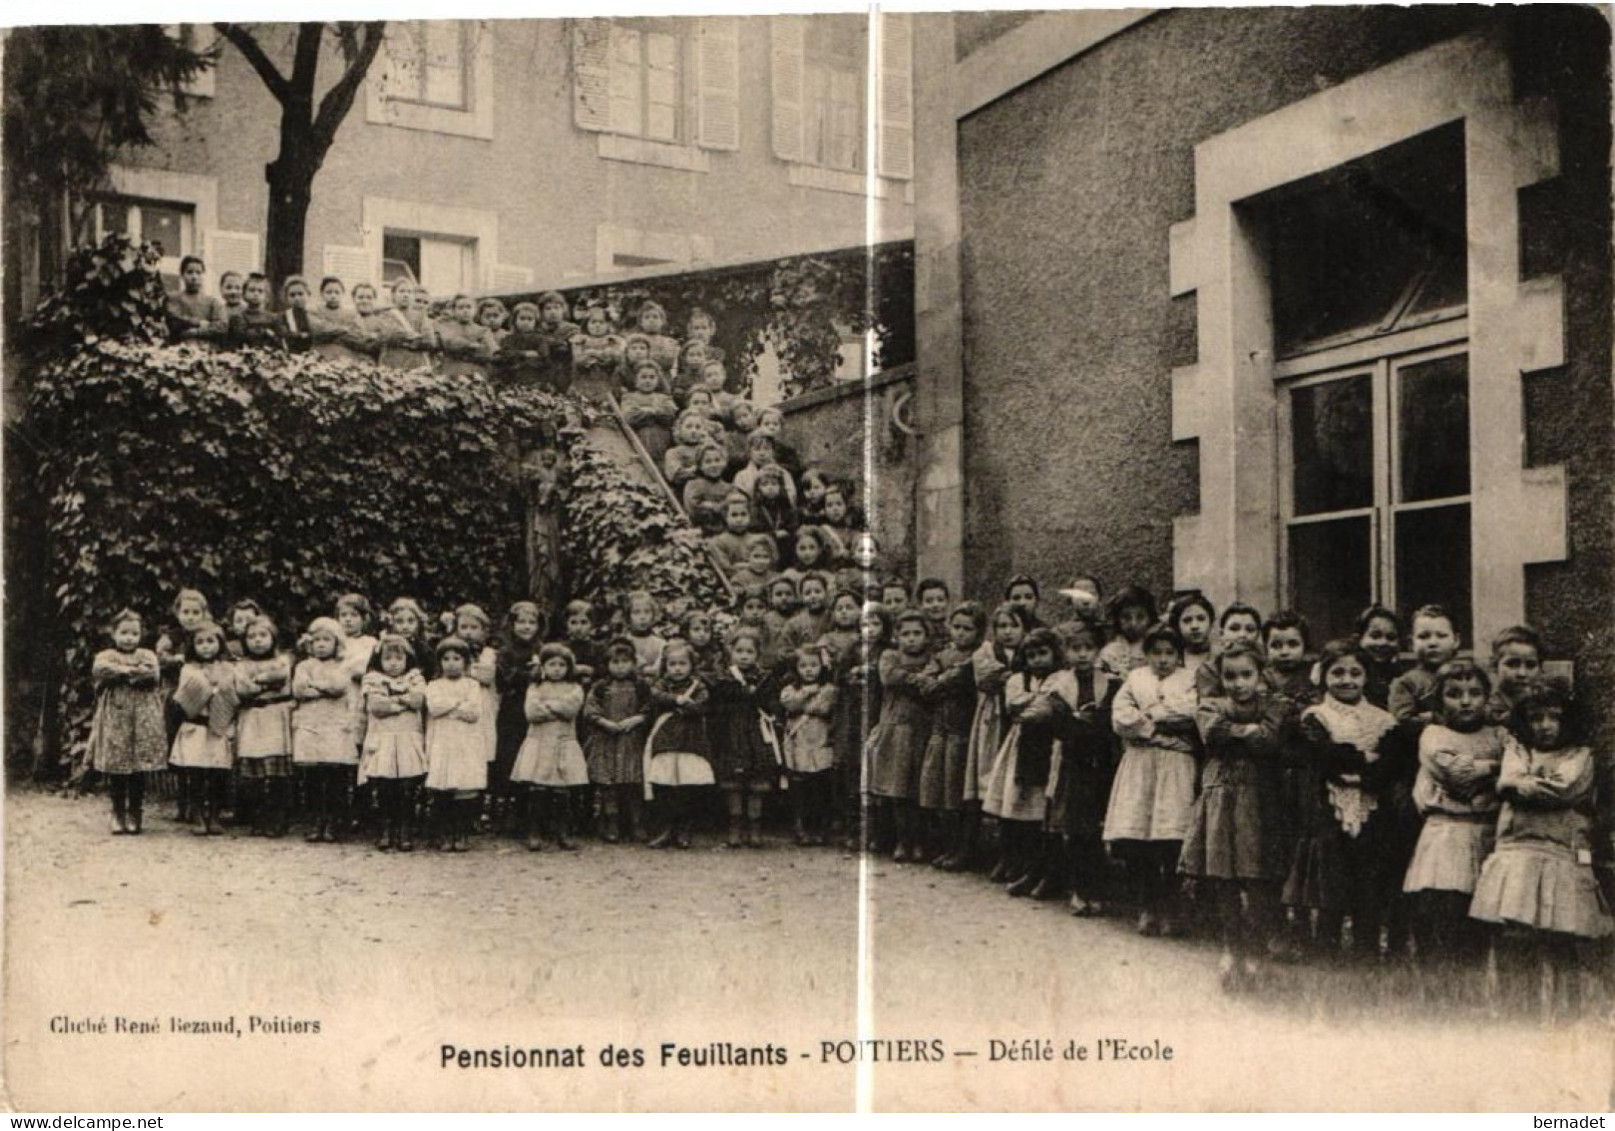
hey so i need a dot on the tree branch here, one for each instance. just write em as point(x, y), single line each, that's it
point(348, 35)
point(339, 99)
point(306, 61)
point(245, 43)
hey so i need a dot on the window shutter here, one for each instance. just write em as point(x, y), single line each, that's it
point(350, 264)
point(230, 251)
point(591, 74)
point(895, 89)
point(508, 278)
point(789, 35)
point(718, 83)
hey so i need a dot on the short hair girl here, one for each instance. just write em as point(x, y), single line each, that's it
point(394, 754)
point(323, 748)
point(677, 755)
point(942, 770)
point(897, 748)
point(616, 715)
point(456, 747)
point(128, 736)
point(808, 700)
point(551, 760)
point(1460, 755)
point(1230, 843)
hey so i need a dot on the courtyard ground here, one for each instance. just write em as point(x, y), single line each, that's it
point(705, 955)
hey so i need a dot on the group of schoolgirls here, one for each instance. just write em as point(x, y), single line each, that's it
point(1304, 800)
point(516, 731)
point(531, 342)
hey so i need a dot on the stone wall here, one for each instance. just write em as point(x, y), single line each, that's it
point(861, 432)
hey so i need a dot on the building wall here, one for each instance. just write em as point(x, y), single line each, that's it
point(539, 173)
point(1069, 187)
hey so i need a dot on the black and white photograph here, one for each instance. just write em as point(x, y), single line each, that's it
point(864, 560)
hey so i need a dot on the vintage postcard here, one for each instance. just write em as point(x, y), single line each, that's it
point(886, 561)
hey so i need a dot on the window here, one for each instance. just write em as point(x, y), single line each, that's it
point(169, 224)
point(834, 72)
point(1370, 247)
point(631, 78)
point(1369, 284)
point(429, 60)
point(619, 249)
point(435, 75)
point(1376, 497)
point(672, 82)
point(445, 266)
point(820, 76)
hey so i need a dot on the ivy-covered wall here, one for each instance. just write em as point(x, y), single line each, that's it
point(141, 468)
point(800, 305)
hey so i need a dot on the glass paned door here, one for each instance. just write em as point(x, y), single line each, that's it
point(1375, 488)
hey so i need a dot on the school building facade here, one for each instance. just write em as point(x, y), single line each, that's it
point(1303, 307)
point(507, 155)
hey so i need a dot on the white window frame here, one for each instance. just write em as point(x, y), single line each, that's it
point(1379, 359)
point(473, 120)
point(612, 94)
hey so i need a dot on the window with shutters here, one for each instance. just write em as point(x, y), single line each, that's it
point(834, 69)
point(672, 83)
point(820, 80)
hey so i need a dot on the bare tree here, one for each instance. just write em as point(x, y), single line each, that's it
point(307, 129)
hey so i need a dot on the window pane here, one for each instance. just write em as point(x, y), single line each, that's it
point(1344, 246)
point(1331, 573)
point(661, 88)
point(445, 42)
point(1432, 432)
point(165, 226)
point(1332, 444)
point(661, 50)
point(660, 123)
point(1433, 561)
point(445, 86)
